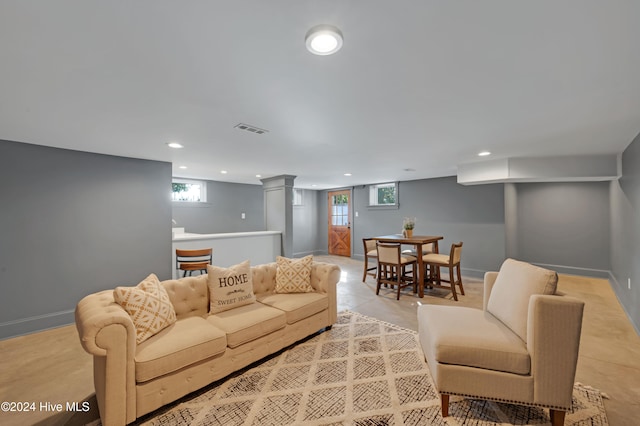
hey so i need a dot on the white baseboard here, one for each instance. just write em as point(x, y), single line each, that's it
point(37, 323)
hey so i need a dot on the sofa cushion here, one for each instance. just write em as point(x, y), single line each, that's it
point(230, 287)
point(297, 306)
point(186, 342)
point(293, 275)
point(473, 338)
point(249, 322)
point(516, 283)
point(148, 305)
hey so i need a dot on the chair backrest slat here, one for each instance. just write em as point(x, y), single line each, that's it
point(194, 253)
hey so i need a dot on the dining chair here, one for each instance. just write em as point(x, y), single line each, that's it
point(435, 261)
point(392, 267)
point(370, 252)
point(193, 260)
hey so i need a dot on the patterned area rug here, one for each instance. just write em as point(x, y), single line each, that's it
point(361, 372)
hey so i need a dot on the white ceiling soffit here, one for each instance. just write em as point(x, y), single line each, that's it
point(581, 168)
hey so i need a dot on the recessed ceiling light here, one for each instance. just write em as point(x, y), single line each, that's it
point(182, 167)
point(175, 145)
point(483, 153)
point(258, 176)
point(347, 174)
point(323, 40)
point(224, 172)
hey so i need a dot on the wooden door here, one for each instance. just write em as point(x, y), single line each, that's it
point(340, 223)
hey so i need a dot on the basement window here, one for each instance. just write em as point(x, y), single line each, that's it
point(383, 195)
point(189, 191)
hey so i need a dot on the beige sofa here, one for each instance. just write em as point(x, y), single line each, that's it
point(132, 379)
point(521, 348)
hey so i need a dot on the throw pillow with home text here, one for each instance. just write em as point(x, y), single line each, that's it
point(230, 287)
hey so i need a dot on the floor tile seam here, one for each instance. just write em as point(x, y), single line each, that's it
point(633, 367)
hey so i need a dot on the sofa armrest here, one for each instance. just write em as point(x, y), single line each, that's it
point(107, 332)
point(94, 313)
point(554, 325)
point(489, 280)
point(324, 279)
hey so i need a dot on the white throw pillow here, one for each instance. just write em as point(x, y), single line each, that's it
point(293, 275)
point(148, 305)
point(230, 287)
point(516, 283)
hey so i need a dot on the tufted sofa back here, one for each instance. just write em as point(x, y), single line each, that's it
point(189, 296)
point(264, 278)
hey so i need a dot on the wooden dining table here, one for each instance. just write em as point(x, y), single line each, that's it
point(417, 241)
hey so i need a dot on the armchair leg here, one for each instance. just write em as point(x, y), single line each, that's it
point(444, 402)
point(557, 417)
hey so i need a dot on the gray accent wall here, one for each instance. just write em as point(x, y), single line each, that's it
point(625, 233)
point(306, 218)
point(560, 225)
point(471, 214)
point(223, 210)
point(73, 223)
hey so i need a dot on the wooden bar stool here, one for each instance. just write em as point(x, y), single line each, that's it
point(392, 267)
point(370, 252)
point(193, 260)
point(436, 261)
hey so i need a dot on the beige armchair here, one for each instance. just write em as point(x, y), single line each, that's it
point(521, 348)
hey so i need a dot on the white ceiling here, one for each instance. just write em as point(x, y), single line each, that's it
point(421, 85)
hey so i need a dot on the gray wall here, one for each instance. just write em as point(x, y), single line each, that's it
point(73, 223)
point(561, 225)
point(625, 233)
point(471, 214)
point(305, 225)
point(564, 226)
point(223, 210)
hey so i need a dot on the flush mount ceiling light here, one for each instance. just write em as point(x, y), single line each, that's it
point(483, 153)
point(175, 145)
point(323, 40)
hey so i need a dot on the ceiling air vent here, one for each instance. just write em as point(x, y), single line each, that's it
point(250, 128)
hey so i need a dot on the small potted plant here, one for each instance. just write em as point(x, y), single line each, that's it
point(407, 225)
